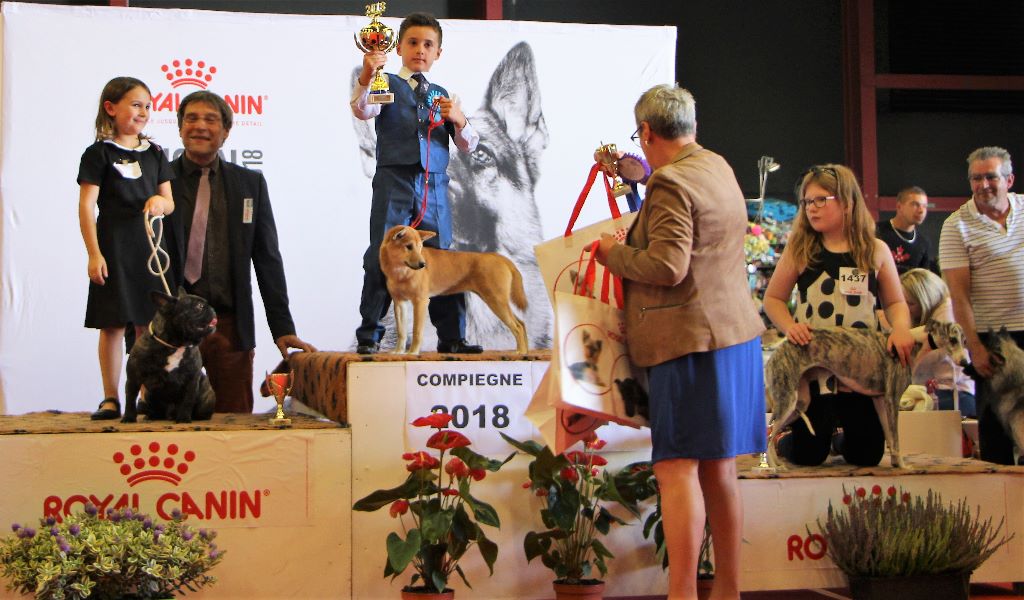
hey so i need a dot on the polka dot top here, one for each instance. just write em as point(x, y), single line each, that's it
point(822, 304)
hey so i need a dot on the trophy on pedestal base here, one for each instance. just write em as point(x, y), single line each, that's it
point(280, 385)
point(377, 36)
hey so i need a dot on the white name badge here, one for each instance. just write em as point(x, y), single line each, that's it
point(484, 399)
point(130, 170)
point(853, 281)
point(247, 210)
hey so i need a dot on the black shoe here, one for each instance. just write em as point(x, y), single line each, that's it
point(368, 348)
point(459, 346)
point(106, 414)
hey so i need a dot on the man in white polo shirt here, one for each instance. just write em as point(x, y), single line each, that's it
point(981, 252)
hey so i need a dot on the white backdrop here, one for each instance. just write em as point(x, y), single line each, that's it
point(544, 95)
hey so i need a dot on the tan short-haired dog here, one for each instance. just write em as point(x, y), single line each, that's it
point(415, 273)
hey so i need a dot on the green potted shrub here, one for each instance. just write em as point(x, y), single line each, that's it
point(576, 493)
point(122, 554)
point(444, 517)
point(896, 545)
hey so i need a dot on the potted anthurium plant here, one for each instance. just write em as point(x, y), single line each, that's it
point(895, 545)
point(119, 555)
point(576, 493)
point(440, 518)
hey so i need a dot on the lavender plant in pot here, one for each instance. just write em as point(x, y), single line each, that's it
point(892, 544)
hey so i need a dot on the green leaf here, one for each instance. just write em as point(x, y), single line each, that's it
point(600, 550)
point(440, 581)
point(536, 544)
point(488, 550)
point(484, 512)
point(477, 461)
point(563, 507)
point(529, 446)
point(401, 552)
point(382, 498)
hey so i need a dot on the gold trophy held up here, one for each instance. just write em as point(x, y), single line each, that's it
point(608, 155)
point(280, 385)
point(377, 37)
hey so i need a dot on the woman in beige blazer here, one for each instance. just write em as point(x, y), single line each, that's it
point(691, 320)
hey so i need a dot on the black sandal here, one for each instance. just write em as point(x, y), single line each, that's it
point(106, 414)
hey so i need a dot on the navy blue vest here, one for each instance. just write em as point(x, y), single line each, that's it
point(402, 130)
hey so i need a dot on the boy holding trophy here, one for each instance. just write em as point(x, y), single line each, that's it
point(412, 165)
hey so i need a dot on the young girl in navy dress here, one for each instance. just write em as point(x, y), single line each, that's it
point(126, 177)
point(843, 274)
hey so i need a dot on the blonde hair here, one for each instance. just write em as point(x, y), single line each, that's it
point(115, 89)
point(925, 288)
point(805, 244)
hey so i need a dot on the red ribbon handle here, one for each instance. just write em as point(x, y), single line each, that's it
point(612, 205)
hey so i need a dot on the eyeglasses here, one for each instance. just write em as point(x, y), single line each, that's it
point(817, 201)
point(635, 138)
point(989, 177)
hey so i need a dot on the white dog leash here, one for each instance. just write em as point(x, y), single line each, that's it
point(156, 267)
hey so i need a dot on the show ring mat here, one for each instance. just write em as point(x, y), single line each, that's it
point(79, 422)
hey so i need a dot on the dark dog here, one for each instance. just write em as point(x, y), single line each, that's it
point(1006, 386)
point(165, 363)
point(634, 397)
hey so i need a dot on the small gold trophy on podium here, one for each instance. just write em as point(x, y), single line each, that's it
point(608, 154)
point(280, 385)
point(377, 36)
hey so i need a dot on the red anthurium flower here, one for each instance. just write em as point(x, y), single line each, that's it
point(576, 457)
point(598, 461)
point(876, 490)
point(436, 420)
point(596, 444)
point(420, 460)
point(570, 474)
point(450, 492)
point(447, 439)
point(477, 474)
point(399, 507)
point(892, 490)
point(457, 468)
point(861, 492)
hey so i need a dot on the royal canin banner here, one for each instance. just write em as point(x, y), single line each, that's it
point(542, 96)
point(223, 479)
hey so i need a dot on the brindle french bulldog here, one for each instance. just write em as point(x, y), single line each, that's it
point(165, 363)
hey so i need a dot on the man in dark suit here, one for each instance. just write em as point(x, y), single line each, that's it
point(230, 205)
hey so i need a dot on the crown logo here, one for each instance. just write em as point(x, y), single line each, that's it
point(189, 72)
point(149, 463)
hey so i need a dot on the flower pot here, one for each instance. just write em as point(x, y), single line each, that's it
point(579, 591)
point(944, 586)
point(420, 594)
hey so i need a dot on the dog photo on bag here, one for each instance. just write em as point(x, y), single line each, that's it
point(581, 352)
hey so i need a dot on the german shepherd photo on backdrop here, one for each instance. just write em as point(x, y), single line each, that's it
point(491, 194)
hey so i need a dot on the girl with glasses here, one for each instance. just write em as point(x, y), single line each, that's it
point(842, 274)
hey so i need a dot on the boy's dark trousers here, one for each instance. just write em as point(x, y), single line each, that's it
point(397, 199)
